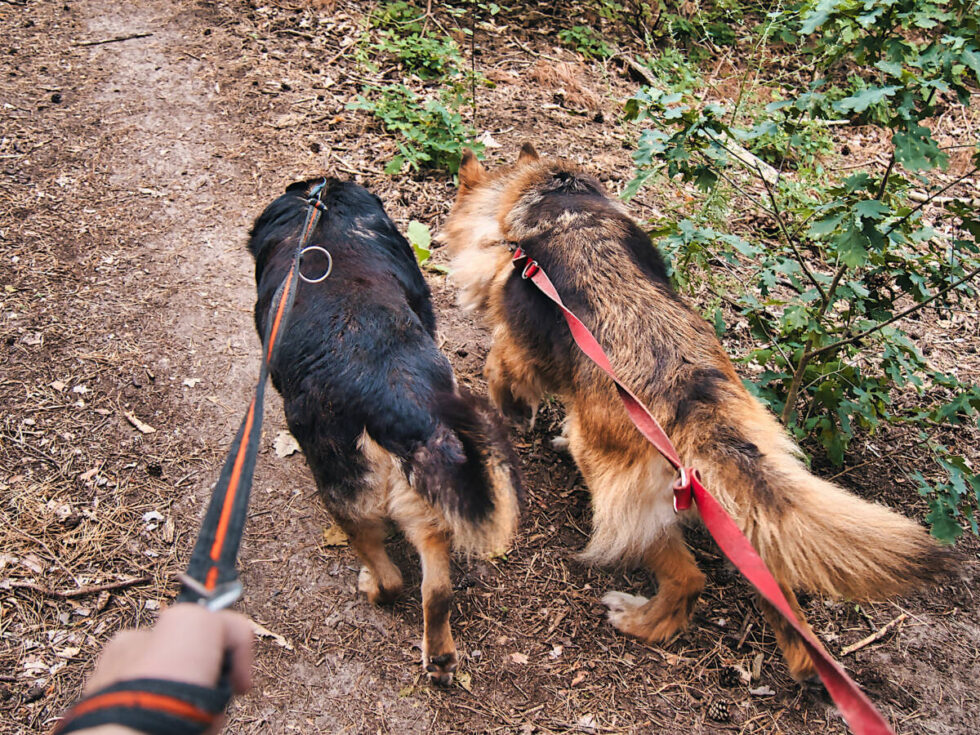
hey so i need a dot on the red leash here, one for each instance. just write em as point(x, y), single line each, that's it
point(854, 705)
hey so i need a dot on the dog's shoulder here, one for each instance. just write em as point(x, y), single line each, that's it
point(360, 214)
point(566, 200)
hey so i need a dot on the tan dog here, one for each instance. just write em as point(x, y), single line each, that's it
point(812, 534)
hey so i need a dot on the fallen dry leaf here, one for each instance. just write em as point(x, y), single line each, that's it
point(86, 476)
point(518, 658)
point(143, 428)
point(464, 679)
point(334, 536)
point(285, 444)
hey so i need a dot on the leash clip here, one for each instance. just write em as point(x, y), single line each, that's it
point(530, 269)
point(317, 248)
point(682, 489)
point(222, 596)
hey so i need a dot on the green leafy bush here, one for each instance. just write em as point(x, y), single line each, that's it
point(847, 260)
point(586, 41)
point(398, 30)
point(430, 132)
point(428, 127)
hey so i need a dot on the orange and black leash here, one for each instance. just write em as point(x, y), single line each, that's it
point(857, 709)
point(162, 707)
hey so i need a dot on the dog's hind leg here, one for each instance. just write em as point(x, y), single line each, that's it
point(380, 580)
point(799, 661)
point(680, 583)
point(438, 647)
point(429, 534)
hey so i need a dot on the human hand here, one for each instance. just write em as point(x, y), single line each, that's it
point(187, 644)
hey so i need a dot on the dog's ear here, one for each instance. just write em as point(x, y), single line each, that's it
point(471, 171)
point(528, 154)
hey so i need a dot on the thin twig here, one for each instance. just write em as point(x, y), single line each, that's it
point(879, 458)
point(293, 32)
point(928, 199)
point(81, 591)
point(789, 240)
point(638, 68)
point(740, 189)
point(901, 315)
point(884, 179)
point(877, 635)
point(832, 289)
point(748, 159)
point(531, 51)
point(114, 39)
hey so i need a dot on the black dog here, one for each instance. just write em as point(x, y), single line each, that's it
point(374, 404)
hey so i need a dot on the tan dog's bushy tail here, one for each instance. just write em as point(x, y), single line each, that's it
point(813, 534)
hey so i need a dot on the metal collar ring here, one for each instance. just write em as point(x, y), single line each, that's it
point(326, 273)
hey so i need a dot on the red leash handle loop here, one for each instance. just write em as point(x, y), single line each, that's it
point(857, 709)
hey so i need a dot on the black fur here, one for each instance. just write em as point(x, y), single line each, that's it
point(531, 314)
point(359, 354)
point(698, 391)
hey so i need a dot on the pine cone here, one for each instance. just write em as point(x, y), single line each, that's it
point(718, 711)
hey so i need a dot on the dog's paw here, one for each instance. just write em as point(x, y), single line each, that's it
point(440, 668)
point(562, 443)
point(800, 664)
point(375, 593)
point(559, 443)
point(652, 621)
point(620, 605)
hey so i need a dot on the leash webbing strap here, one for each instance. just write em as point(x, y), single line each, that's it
point(154, 706)
point(211, 577)
point(857, 709)
point(162, 707)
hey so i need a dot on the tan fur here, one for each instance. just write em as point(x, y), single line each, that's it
point(812, 534)
point(389, 494)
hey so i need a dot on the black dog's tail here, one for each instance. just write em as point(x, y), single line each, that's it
point(468, 470)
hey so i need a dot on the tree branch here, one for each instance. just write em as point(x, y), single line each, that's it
point(884, 179)
point(928, 199)
point(901, 315)
point(790, 242)
point(121, 584)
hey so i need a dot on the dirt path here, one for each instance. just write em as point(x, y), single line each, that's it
point(128, 204)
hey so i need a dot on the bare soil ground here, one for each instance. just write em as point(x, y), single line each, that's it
point(130, 172)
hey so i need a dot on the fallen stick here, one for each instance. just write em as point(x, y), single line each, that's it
point(114, 39)
point(81, 590)
point(749, 160)
point(877, 635)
